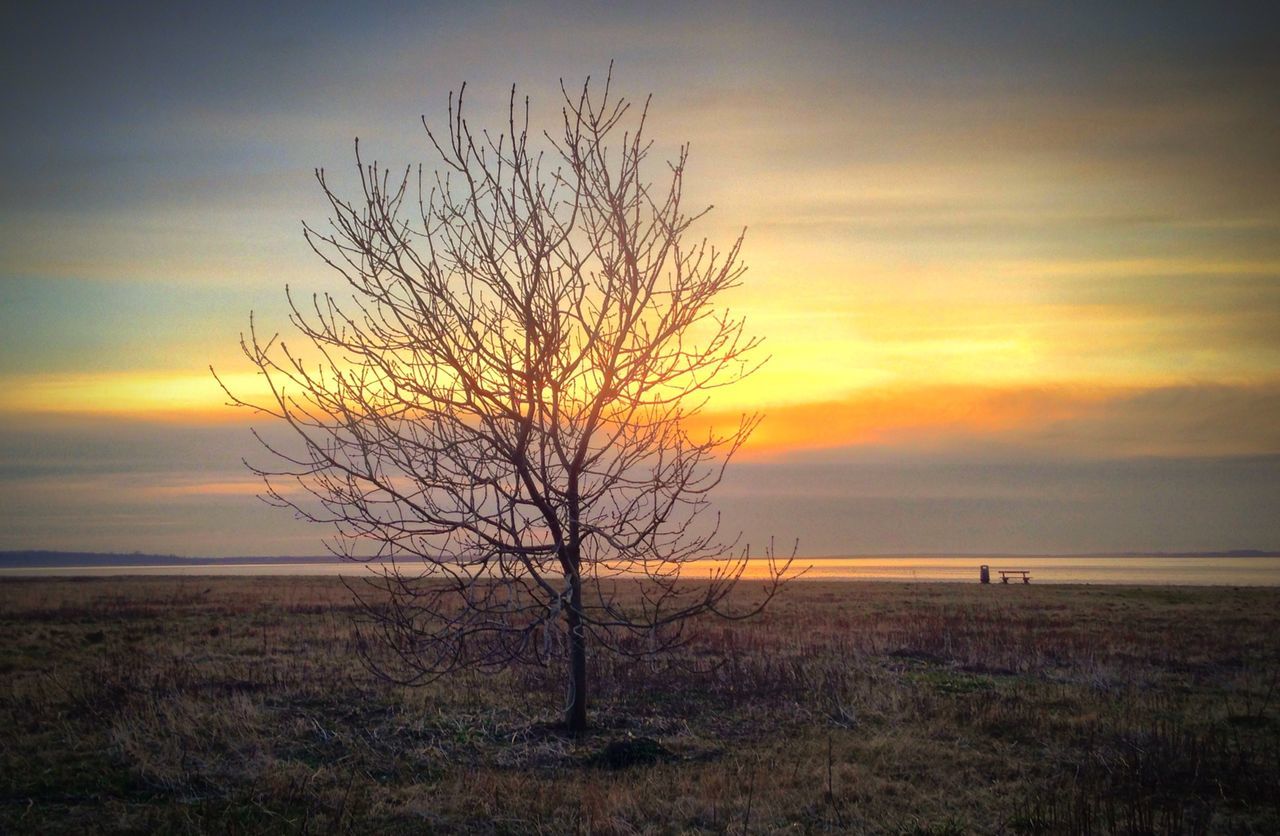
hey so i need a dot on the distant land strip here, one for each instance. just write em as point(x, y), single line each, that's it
point(39, 559)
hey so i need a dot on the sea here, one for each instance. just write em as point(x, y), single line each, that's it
point(1181, 570)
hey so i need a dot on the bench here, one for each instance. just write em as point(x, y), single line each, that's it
point(1005, 574)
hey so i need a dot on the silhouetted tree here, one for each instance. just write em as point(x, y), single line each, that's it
point(502, 410)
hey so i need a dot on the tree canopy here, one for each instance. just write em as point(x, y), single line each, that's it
point(506, 411)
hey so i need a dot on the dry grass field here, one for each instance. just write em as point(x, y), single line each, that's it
point(239, 705)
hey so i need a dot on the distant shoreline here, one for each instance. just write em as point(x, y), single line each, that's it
point(41, 559)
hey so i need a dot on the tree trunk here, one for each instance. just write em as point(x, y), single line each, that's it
point(576, 716)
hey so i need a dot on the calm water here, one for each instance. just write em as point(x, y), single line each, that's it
point(1183, 571)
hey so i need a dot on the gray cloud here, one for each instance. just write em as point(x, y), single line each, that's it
point(117, 484)
point(888, 500)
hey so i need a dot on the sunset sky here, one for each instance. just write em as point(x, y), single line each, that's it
point(1017, 266)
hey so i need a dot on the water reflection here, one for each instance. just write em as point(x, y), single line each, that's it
point(1182, 571)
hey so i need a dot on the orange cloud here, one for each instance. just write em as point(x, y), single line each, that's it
point(246, 487)
point(895, 414)
point(155, 395)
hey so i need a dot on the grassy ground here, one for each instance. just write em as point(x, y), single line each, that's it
point(238, 705)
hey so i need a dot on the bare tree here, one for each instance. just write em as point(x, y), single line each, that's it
point(503, 414)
